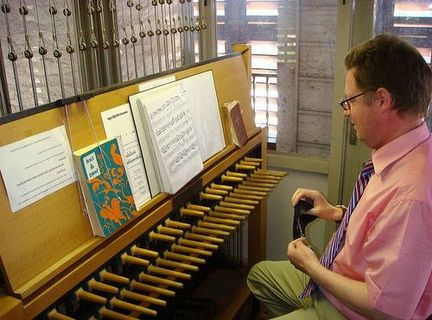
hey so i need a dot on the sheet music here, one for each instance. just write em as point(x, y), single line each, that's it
point(153, 178)
point(201, 99)
point(118, 122)
point(173, 134)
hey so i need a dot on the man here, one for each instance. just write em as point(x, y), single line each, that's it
point(382, 265)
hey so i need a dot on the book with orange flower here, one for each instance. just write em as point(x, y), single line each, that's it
point(103, 179)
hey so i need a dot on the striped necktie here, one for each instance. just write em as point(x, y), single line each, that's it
point(338, 240)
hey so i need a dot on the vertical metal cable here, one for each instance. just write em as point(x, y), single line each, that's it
point(56, 49)
point(43, 51)
point(28, 53)
point(69, 48)
point(12, 56)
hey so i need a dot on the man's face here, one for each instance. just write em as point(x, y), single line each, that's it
point(360, 111)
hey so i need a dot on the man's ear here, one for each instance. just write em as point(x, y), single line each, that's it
point(384, 99)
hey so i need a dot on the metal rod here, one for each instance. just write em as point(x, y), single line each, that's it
point(191, 49)
point(203, 24)
point(82, 45)
point(150, 33)
point(115, 42)
point(69, 48)
point(173, 39)
point(158, 32)
point(43, 51)
point(94, 44)
point(193, 28)
point(158, 44)
point(185, 28)
point(5, 106)
point(181, 37)
point(125, 42)
point(56, 51)
point(105, 43)
point(173, 31)
point(142, 35)
point(133, 38)
point(165, 34)
point(28, 53)
point(187, 39)
point(12, 56)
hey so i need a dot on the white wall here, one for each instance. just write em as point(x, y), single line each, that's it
point(280, 213)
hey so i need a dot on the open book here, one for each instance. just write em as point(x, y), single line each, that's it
point(187, 104)
point(107, 194)
point(170, 136)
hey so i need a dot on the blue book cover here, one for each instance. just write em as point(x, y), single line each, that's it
point(107, 193)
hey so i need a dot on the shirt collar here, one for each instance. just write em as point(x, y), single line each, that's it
point(399, 147)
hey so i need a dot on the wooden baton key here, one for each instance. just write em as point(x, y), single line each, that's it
point(118, 303)
point(110, 314)
point(103, 287)
point(135, 285)
point(158, 280)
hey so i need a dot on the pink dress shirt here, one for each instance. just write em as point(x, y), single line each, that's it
point(389, 236)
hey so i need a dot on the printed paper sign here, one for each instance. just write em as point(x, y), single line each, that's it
point(37, 166)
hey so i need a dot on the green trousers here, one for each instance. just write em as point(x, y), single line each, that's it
point(278, 284)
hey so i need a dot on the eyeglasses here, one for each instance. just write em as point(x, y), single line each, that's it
point(344, 103)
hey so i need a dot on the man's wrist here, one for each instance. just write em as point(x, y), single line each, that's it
point(343, 209)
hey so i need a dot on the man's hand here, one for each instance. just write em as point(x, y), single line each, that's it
point(301, 255)
point(321, 207)
point(352, 293)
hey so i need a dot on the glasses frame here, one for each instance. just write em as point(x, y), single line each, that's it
point(344, 102)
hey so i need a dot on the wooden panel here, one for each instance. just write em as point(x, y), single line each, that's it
point(83, 124)
point(38, 235)
point(42, 240)
point(93, 260)
point(11, 308)
point(231, 83)
point(156, 211)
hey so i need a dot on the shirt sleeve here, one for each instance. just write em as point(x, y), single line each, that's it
point(398, 252)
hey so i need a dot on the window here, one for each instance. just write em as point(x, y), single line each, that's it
point(293, 45)
point(411, 20)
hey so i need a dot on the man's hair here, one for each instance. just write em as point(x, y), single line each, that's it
point(391, 63)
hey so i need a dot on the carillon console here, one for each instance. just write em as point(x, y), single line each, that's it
point(184, 256)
